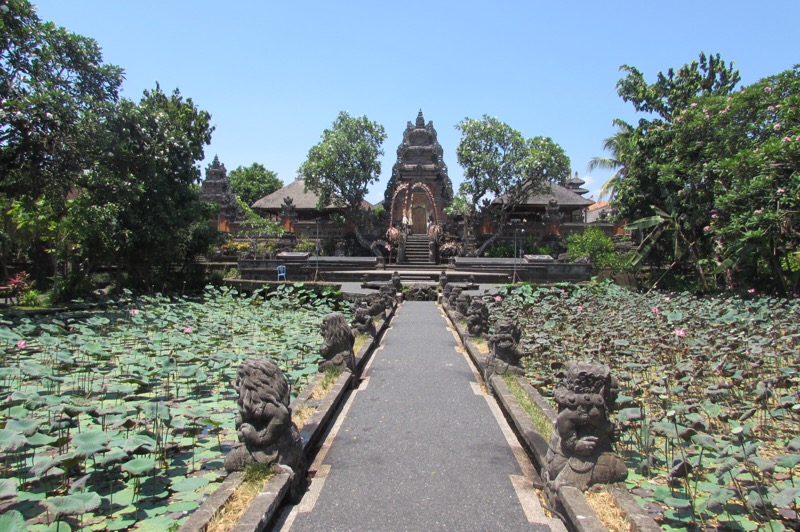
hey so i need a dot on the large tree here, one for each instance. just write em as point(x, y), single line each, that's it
point(499, 163)
point(251, 183)
point(615, 145)
point(661, 180)
point(54, 93)
point(717, 179)
point(748, 156)
point(340, 168)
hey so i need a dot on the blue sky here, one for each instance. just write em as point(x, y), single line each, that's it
point(274, 75)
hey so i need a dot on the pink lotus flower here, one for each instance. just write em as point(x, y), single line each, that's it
point(22, 344)
point(498, 299)
point(707, 228)
point(786, 139)
point(667, 298)
point(680, 332)
point(134, 312)
point(751, 291)
point(563, 291)
point(714, 216)
point(781, 191)
point(580, 308)
point(655, 310)
point(758, 211)
point(777, 127)
point(187, 330)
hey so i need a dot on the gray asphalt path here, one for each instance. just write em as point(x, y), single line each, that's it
point(419, 446)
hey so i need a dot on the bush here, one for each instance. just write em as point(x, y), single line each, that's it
point(596, 245)
point(305, 245)
point(500, 250)
point(31, 298)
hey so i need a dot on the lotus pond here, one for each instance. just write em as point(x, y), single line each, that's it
point(709, 409)
point(118, 418)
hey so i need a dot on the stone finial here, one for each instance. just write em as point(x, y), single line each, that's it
point(264, 424)
point(420, 119)
point(362, 321)
point(462, 305)
point(504, 353)
point(580, 453)
point(397, 284)
point(453, 296)
point(447, 289)
point(338, 347)
point(477, 318)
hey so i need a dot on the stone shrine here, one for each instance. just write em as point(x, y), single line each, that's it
point(217, 189)
point(419, 187)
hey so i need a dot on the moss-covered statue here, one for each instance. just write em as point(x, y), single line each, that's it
point(477, 318)
point(264, 424)
point(580, 452)
point(338, 347)
point(504, 353)
point(362, 321)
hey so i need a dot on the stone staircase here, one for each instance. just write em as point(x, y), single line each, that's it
point(417, 250)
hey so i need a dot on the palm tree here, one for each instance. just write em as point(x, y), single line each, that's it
point(614, 145)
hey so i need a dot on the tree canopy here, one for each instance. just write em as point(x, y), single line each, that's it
point(87, 179)
point(499, 162)
point(344, 163)
point(716, 172)
point(251, 183)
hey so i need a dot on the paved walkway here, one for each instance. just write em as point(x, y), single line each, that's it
point(419, 446)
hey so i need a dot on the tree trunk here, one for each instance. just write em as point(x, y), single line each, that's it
point(479, 252)
point(372, 246)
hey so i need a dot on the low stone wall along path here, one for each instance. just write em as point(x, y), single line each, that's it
point(420, 446)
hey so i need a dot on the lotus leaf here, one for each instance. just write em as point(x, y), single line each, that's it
point(139, 466)
point(12, 521)
point(75, 504)
point(11, 441)
point(8, 488)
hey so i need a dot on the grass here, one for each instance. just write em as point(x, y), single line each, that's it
point(605, 506)
point(540, 420)
point(361, 341)
point(326, 384)
point(255, 478)
point(301, 415)
point(481, 344)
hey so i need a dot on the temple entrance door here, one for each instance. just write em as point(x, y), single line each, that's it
point(420, 226)
point(419, 213)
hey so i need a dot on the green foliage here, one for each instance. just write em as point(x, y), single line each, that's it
point(31, 298)
point(500, 250)
point(596, 245)
point(89, 180)
point(305, 245)
point(253, 182)
point(714, 175)
point(499, 163)
point(133, 402)
point(710, 382)
point(344, 163)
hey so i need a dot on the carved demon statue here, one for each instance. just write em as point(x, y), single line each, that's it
point(264, 424)
point(338, 347)
point(462, 306)
point(477, 318)
point(580, 453)
point(452, 297)
point(362, 321)
point(504, 355)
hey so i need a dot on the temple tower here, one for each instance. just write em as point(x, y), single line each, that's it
point(217, 189)
point(419, 187)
